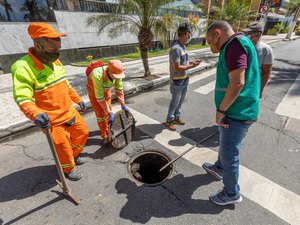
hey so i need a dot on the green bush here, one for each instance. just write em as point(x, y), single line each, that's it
point(272, 31)
point(297, 32)
point(284, 31)
point(89, 58)
point(279, 27)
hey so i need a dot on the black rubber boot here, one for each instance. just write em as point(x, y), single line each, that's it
point(74, 175)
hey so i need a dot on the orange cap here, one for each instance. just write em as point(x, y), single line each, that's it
point(39, 30)
point(116, 69)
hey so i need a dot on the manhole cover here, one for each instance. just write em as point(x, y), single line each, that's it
point(144, 167)
point(122, 129)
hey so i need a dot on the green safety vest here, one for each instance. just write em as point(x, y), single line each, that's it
point(246, 106)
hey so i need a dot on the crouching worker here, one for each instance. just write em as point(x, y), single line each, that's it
point(44, 95)
point(100, 80)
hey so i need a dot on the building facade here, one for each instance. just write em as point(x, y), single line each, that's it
point(67, 16)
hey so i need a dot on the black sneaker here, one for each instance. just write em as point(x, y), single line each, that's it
point(74, 175)
point(79, 161)
point(213, 170)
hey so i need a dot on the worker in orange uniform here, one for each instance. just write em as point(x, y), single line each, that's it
point(99, 83)
point(44, 95)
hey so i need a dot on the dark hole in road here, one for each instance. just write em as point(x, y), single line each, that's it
point(145, 166)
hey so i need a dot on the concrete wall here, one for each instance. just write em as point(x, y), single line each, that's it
point(80, 42)
point(82, 36)
point(14, 38)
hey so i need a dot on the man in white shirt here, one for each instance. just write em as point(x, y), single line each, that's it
point(264, 52)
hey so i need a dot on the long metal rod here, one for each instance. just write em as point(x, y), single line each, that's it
point(63, 183)
point(189, 149)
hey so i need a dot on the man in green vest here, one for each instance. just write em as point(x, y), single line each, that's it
point(237, 104)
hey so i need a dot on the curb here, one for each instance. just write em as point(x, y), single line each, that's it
point(20, 126)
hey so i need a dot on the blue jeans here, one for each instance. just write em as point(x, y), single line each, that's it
point(178, 95)
point(228, 158)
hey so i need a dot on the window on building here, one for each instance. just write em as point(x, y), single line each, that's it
point(25, 11)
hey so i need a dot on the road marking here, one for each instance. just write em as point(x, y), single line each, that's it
point(290, 104)
point(278, 200)
point(201, 76)
point(205, 89)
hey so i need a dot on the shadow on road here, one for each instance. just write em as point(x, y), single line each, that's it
point(57, 199)
point(27, 182)
point(173, 198)
point(290, 62)
point(153, 129)
point(197, 135)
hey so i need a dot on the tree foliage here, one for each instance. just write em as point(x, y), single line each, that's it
point(136, 16)
point(291, 6)
point(235, 12)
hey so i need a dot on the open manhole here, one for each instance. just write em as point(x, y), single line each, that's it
point(144, 167)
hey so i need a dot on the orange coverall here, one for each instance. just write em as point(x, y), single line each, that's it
point(37, 88)
point(99, 91)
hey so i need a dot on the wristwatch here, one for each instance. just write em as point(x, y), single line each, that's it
point(220, 111)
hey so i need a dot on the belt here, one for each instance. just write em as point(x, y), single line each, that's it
point(70, 122)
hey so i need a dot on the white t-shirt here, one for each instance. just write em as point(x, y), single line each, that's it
point(264, 54)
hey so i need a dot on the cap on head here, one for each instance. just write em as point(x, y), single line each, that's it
point(255, 26)
point(115, 68)
point(40, 30)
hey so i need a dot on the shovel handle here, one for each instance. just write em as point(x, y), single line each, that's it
point(63, 183)
point(57, 163)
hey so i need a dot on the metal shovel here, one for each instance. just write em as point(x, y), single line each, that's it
point(63, 184)
point(189, 149)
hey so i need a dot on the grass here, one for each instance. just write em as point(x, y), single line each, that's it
point(136, 55)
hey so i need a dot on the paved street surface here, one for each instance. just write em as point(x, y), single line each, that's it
point(269, 172)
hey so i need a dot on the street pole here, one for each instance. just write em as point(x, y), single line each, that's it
point(207, 20)
point(288, 36)
point(208, 12)
point(264, 19)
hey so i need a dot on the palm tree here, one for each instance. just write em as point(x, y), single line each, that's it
point(7, 7)
point(237, 13)
point(139, 17)
point(291, 6)
point(296, 16)
point(166, 27)
point(36, 12)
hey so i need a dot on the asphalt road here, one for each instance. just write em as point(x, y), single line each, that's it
point(109, 195)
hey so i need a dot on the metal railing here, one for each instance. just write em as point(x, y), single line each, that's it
point(102, 6)
point(93, 6)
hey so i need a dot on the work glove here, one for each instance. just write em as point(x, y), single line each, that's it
point(125, 108)
point(82, 106)
point(111, 118)
point(42, 120)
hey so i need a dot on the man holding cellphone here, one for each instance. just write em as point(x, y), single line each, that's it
point(179, 79)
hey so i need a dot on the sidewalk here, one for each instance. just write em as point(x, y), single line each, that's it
point(12, 120)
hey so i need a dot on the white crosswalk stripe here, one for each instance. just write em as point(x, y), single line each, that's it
point(201, 76)
point(280, 201)
point(290, 105)
point(206, 89)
